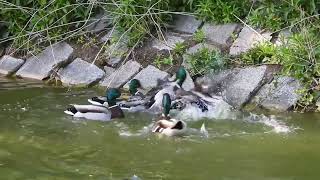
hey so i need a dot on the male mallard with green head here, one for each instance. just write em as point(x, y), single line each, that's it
point(135, 95)
point(101, 113)
point(167, 125)
point(170, 88)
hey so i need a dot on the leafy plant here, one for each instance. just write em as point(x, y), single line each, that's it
point(199, 36)
point(180, 48)
point(42, 18)
point(222, 11)
point(274, 14)
point(261, 53)
point(138, 17)
point(299, 57)
point(205, 60)
point(163, 61)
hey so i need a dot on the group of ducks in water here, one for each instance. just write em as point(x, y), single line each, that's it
point(166, 96)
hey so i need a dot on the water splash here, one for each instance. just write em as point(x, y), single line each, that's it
point(277, 126)
point(217, 110)
point(204, 131)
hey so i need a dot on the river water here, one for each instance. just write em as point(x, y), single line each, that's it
point(38, 141)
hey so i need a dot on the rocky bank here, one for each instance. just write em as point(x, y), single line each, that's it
point(260, 86)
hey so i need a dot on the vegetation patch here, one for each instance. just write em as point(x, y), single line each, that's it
point(205, 60)
point(299, 56)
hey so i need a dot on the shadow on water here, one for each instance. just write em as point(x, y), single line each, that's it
point(38, 141)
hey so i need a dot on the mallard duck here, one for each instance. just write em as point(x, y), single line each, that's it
point(167, 125)
point(169, 88)
point(101, 113)
point(135, 96)
point(195, 105)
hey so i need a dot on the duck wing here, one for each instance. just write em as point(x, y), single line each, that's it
point(98, 101)
point(94, 116)
point(90, 108)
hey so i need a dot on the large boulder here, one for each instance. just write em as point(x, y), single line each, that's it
point(149, 76)
point(247, 39)
point(80, 73)
point(185, 24)
point(41, 66)
point(121, 75)
point(237, 86)
point(9, 65)
point(220, 34)
point(279, 95)
point(243, 85)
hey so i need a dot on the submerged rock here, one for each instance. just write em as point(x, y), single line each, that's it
point(9, 65)
point(279, 95)
point(41, 66)
point(149, 76)
point(80, 73)
point(185, 24)
point(247, 39)
point(121, 75)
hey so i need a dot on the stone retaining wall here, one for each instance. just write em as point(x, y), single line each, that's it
point(238, 87)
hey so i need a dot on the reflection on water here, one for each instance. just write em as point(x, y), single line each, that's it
point(38, 141)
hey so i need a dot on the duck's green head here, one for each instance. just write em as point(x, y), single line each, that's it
point(181, 75)
point(166, 104)
point(134, 84)
point(112, 95)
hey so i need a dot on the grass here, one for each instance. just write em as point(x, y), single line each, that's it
point(204, 61)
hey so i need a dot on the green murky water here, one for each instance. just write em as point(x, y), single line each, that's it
point(38, 141)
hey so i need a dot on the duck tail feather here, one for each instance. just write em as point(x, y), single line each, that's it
point(71, 111)
point(204, 131)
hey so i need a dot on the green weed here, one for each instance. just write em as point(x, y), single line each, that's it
point(222, 11)
point(274, 14)
point(262, 53)
point(159, 62)
point(180, 48)
point(205, 60)
point(199, 36)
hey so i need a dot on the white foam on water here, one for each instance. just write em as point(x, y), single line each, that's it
point(277, 126)
point(126, 133)
point(204, 131)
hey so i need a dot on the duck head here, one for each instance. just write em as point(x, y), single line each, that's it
point(134, 84)
point(166, 105)
point(112, 95)
point(181, 75)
